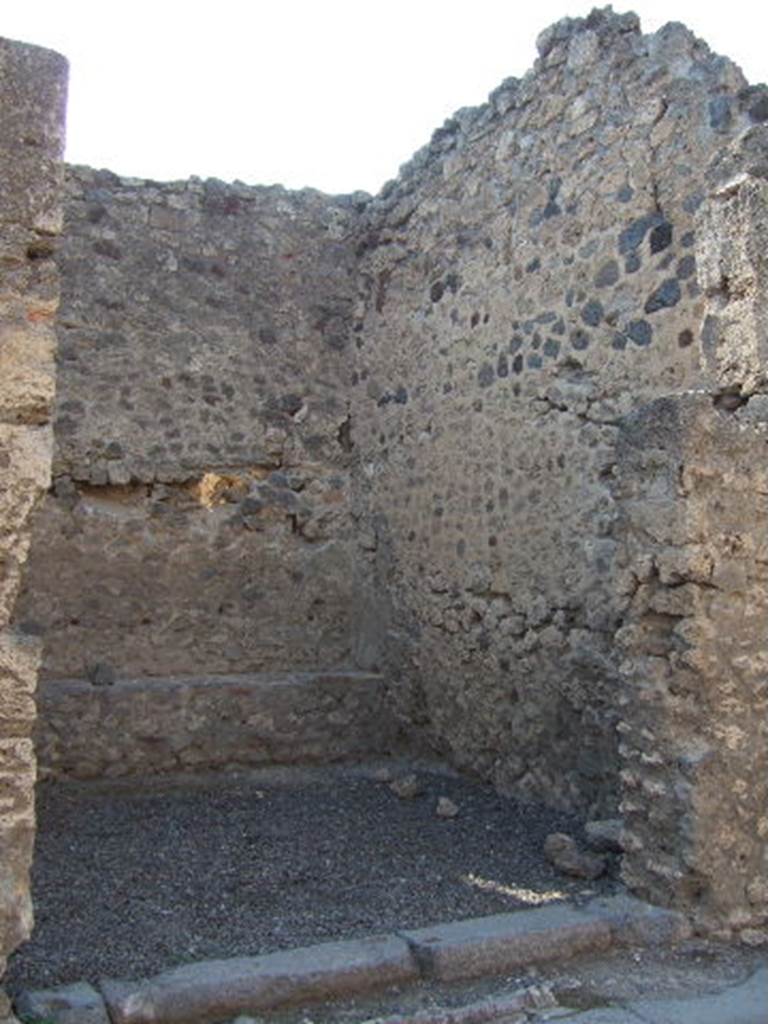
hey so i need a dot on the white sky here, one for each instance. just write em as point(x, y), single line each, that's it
point(333, 93)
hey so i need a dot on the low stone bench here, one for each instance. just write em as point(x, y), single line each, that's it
point(139, 726)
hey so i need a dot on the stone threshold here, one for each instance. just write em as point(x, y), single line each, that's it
point(214, 991)
point(182, 723)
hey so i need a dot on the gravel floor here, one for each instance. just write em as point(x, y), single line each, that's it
point(132, 878)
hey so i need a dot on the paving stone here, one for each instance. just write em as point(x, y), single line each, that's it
point(742, 1004)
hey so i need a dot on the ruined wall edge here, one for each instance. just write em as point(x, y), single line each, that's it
point(32, 104)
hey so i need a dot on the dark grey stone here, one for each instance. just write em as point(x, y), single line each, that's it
point(580, 339)
point(632, 236)
point(592, 313)
point(665, 296)
point(607, 275)
point(641, 332)
point(661, 237)
point(720, 114)
point(686, 267)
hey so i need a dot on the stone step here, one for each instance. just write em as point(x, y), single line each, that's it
point(197, 723)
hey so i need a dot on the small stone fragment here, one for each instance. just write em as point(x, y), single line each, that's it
point(604, 835)
point(406, 787)
point(754, 936)
point(446, 808)
point(383, 775)
point(79, 1003)
point(757, 891)
point(562, 851)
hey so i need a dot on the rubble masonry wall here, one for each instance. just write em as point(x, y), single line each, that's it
point(528, 281)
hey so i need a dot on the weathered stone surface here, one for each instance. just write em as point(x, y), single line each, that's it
point(70, 1004)
point(639, 924)
point(203, 445)
point(733, 272)
point(492, 945)
point(407, 787)
point(215, 989)
point(509, 1008)
point(34, 84)
point(563, 851)
point(19, 661)
point(207, 722)
point(222, 315)
point(427, 435)
point(505, 942)
point(528, 279)
point(164, 580)
point(741, 1004)
point(604, 835)
point(17, 833)
point(446, 808)
point(694, 736)
point(24, 474)
point(32, 93)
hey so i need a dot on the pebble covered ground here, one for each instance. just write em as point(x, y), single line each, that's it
point(134, 877)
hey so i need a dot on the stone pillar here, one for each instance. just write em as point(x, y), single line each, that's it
point(693, 493)
point(692, 487)
point(32, 102)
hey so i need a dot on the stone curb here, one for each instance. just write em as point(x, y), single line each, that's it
point(480, 946)
point(214, 990)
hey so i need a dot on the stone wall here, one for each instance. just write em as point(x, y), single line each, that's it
point(32, 97)
point(411, 434)
point(529, 279)
point(199, 520)
point(692, 487)
point(692, 484)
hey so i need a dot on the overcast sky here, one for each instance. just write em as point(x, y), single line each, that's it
point(334, 93)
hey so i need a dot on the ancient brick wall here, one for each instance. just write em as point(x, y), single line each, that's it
point(199, 520)
point(528, 280)
point(32, 96)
